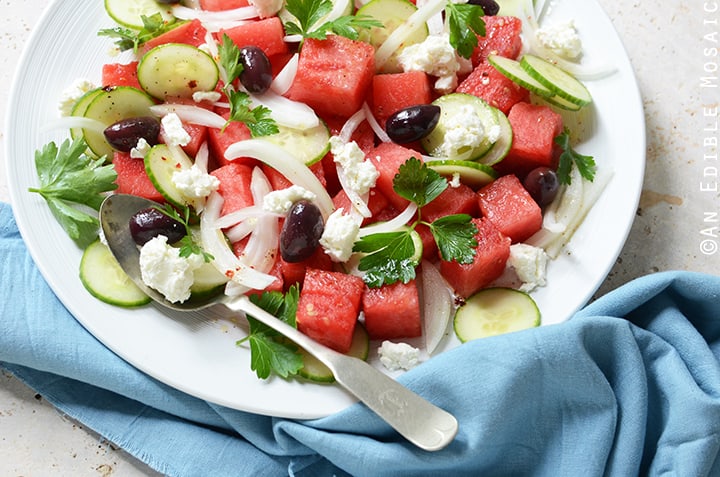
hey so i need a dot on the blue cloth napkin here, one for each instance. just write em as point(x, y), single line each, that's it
point(628, 386)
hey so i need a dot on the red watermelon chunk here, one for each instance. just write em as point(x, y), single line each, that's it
point(279, 181)
point(495, 88)
point(387, 158)
point(334, 75)
point(221, 5)
point(329, 306)
point(502, 37)
point(509, 206)
point(120, 74)
point(377, 202)
point(190, 33)
point(267, 34)
point(294, 272)
point(393, 92)
point(234, 186)
point(132, 177)
point(492, 253)
point(219, 140)
point(535, 128)
point(392, 311)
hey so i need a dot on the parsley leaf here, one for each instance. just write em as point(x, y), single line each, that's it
point(418, 183)
point(187, 245)
point(390, 259)
point(229, 54)
point(309, 12)
point(129, 39)
point(455, 236)
point(269, 350)
point(68, 177)
point(465, 23)
point(257, 119)
point(585, 164)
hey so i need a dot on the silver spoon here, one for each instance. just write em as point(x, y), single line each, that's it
point(422, 423)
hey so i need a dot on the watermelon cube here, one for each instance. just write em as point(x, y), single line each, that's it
point(279, 181)
point(495, 88)
point(376, 203)
point(509, 206)
point(393, 92)
point(535, 128)
point(221, 5)
point(491, 256)
point(294, 272)
point(267, 34)
point(190, 33)
point(120, 74)
point(334, 75)
point(132, 177)
point(329, 306)
point(219, 140)
point(387, 158)
point(502, 37)
point(392, 311)
point(235, 179)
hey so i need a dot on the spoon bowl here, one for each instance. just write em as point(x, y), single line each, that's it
point(419, 421)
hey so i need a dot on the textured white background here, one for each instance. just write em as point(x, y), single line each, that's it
point(664, 40)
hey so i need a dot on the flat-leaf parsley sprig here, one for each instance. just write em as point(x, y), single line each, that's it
point(585, 164)
point(465, 23)
point(392, 256)
point(309, 12)
point(68, 178)
point(129, 39)
point(269, 350)
point(187, 245)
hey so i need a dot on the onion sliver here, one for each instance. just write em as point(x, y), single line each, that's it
point(282, 82)
point(358, 201)
point(437, 305)
point(191, 114)
point(351, 125)
point(261, 249)
point(70, 122)
point(286, 112)
point(234, 218)
point(376, 127)
point(286, 164)
point(242, 13)
point(392, 225)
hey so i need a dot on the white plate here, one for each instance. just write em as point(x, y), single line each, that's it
point(197, 354)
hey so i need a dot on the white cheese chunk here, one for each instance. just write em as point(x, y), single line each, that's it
point(72, 94)
point(212, 96)
point(163, 269)
point(139, 151)
point(530, 265)
point(175, 133)
point(398, 356)
point(562, 39)
point(436, 57)
point(462, 130)
point(360, 173)
point(194, 183)
point(339, 235)
point(280, 201)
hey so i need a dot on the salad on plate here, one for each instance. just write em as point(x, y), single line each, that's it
point(384, 174)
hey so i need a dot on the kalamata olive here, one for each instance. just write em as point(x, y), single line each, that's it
point(148, 223)
point(301, 232)
point(490, 7)
point(542, 184)
point(413, 123)
point(125, 134)
point(257, 72)
point(168, 2)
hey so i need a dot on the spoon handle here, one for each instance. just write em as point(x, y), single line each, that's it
point(419, 421)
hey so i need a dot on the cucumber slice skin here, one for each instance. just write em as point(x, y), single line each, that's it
point(177, 70)
point(513, 70)
point(316, 371)
point(495, 311)
point(160, 164)
point(113, 104)
point(472, 174)
point(502, 146)
point(449, 106)
point(128, 13)
point(560, 82)
point(309, 145)
point(103, 278)
point(81, 107)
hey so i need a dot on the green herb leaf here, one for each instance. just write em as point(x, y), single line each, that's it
point(186, 244)
point(455, 237)
point(585, 164)
point(416, 182)
point(229, 54)
point(390, 258)
point(465, 23)
point(270, 351)
point(69, 177)
point(129, 39)
point(309, 12)
point(257, 119)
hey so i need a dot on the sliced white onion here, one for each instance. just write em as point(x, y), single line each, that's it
point(392, 225)
point(284, 79)
point(69, 122)
point(214, 243)
point(261, 249)
point(293, 38)
point(241, 230)
point(435, 24)
point(242, 13)
point(377, 129)
point(286, 164)
point(234, 218)
point(203, 157)
point(214, 26)
point(286, 112)
point(358, 201)
point(351, 125)
point(190, 114)
point(437, 305)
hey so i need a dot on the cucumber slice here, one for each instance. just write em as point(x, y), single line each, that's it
point(129, 13)
point(512, 69)
point(562, 103)
point(111, 105)
point(177, 70)
point(160, 164)
point(207, 282)
point(494, 311)
point(503, 144)
point(451, 107)
point(473, 174)
point(80, 107)
point(308, 145)
point(557, 80)
point(392, 14)
point(103, 277)
point(316, 371)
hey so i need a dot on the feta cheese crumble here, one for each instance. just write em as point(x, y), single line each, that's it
point(139, 151)
point(562, 39)
point(530, 265)
point(72, 94)
point(360, 173)
point(163, 269)
point(212, 96)
point(194, 183)
point(463, 131)
point(436, 57)
point(175, 133)
point(339, 236)
point(280, 201)
point(397, 356)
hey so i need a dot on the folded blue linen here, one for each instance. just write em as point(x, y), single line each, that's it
point(629, 386)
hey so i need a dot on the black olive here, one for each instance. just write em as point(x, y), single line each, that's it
point(125, 134)
point(413, 123)
point(148, 223)
point(256, 76)
point(542, 184)
point(301, 232)
point(490, 7)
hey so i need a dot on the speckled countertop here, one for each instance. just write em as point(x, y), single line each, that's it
point(670, 46)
